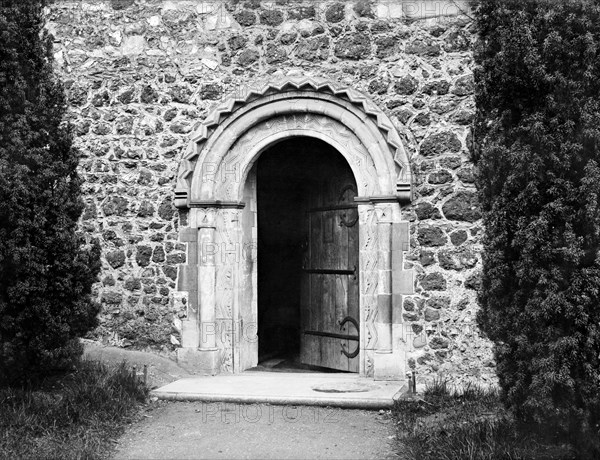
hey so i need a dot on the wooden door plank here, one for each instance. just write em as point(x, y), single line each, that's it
point(354, 287)
point(341, 309)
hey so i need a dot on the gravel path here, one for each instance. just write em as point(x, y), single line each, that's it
point(196, 430)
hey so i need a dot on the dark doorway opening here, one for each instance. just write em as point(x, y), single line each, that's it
point(290, 175)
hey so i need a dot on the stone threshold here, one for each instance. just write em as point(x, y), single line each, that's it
point(287, 388)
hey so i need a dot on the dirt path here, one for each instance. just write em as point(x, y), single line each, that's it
point(196, 430)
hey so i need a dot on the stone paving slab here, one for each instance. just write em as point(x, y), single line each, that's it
point(312, 389)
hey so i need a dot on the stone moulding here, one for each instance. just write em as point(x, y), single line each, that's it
point(216, 188)
point(288, 96)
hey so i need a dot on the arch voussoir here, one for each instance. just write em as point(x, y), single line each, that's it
point(210, 143)
point(216, 185)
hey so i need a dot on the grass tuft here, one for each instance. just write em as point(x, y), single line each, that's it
point(470, 424)
point(72, 416)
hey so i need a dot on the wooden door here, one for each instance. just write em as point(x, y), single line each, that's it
point(330, 292)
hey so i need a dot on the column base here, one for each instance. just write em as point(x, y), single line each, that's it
point(190, 336)
point(388, 366)
point(202, 362)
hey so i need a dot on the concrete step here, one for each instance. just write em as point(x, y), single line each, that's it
point(294, 388)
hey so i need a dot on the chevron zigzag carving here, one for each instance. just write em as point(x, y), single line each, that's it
point(309, 84)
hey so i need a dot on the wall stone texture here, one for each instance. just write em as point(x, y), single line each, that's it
point(140, 75)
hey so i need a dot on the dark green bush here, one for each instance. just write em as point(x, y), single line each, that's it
point(46, 270)
point(537, 141)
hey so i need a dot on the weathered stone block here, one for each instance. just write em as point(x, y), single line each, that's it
point(115, 259)
point(457, 260)
point(386, 46)
point(170, 271)
point(473, 281)
point(462, 206)
point(463, 117)
point(142, 256)
point(458, 237)
point(378, 86)
point(335, 13)
point(409, 305)
point(111, 297)
point(426, 210)
point(166, 210)
point(115, 205)
point(439, 143)
point(313, 48)
point(439, 87)
point(434, 282)
point(423, 48)
point(419, 341)
point(275, 54)
point(211, 91)
point(438, 302)
point(248, 57)
point(464, 86)
point(108, 281)
point(178, 258)
point(450, 162)
point(288, 38)
point(363, 9)
point(158, 255)
point(426, 258)
point(462, 304)
point(431, 314)
point(466, 175)
point(444, 104)
point(301, 12)
point(133, 284)
point(237, 42)
point(148, 95)
point(201, 362)
point(406, 85)
point(432, 236)
point(271, 17)
point(439, 342)
point(146, 209)
point(439, 177)
point(245, 18)
point(353, 46)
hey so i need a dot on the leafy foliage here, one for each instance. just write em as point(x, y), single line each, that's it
point(537, 151)
point(46, 272)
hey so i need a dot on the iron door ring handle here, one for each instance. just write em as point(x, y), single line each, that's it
point(354, 354)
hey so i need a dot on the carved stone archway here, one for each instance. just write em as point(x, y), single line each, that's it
point(214, 193)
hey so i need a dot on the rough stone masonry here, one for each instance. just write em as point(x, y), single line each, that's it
point(140, 75)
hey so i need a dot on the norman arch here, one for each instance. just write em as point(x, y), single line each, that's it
point(216, 194)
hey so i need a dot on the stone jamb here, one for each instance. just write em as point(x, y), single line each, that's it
point(239, 140)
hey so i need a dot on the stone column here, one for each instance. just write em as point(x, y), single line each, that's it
point(390, 354)
point(368, 266)
point(187, 280)
point(384, 298)
point(200, 352)
point(206, 287)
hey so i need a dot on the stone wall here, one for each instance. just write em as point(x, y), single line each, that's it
point(141, 75)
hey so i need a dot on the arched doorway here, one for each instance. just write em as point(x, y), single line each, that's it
point(308, 286)
point(217, 197)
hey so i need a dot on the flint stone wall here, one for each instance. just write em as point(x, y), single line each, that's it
point(140, 75)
